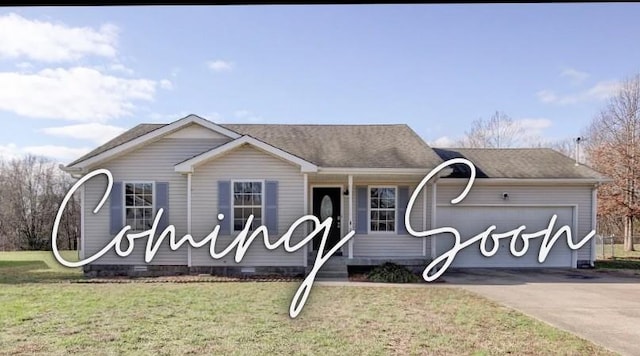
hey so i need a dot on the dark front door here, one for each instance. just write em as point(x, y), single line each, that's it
point(326, 203)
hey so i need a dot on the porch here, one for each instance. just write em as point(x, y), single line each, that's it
point(373, 203)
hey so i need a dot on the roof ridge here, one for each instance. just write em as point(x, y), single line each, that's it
point(353, 125)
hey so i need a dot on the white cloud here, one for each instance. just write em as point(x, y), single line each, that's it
point(54, 42)
point(574, 75)
point(444, 141)
point(62, 153)
point(24, 65)
point(166, 84)
point(98, 133)
point(220, 65)
point(533, 125)
point(164, 118)
point(77, 94)
point(600, 91)
point(547, 96)
point(604, 90)
point(119, 67)
point(531, 130)
point(9, 152)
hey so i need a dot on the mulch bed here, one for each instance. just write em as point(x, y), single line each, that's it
point(187, 279)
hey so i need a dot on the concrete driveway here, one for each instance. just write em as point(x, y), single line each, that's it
point(603, 307)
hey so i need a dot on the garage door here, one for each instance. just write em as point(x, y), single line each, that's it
point(470, 221)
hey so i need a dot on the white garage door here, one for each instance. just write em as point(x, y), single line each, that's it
point(470, 221)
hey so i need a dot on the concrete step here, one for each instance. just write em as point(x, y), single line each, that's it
point(324, 275)
point(334, 269)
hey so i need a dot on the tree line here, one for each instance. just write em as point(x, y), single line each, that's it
point(31, 191)
point(610, 144)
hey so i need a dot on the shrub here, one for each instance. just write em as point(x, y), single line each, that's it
point(392, 273)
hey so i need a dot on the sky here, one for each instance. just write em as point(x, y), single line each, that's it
point(72, 78)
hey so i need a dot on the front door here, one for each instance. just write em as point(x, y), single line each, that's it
point(326, 203)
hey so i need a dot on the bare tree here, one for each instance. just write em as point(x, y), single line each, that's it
point(69, 231)
point(32, 189)
point(498, 131)
point(613, 149)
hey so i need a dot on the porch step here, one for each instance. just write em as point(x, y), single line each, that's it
point(332, 276)
point(335, 269)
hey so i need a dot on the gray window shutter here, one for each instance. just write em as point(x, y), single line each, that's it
point(361, 216)
point(224, 206)
point(403, 200)
point(116, 214)
point(271, 206)
point(162, 201)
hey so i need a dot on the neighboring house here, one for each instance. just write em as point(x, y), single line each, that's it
point(361, 175)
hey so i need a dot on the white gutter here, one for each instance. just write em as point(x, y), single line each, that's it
point(381, 171)
point(498, 181)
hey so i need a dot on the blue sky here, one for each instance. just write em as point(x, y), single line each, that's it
point(73, 77)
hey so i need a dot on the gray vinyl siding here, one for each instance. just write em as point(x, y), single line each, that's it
point(390, 244)
point(579, 195)
point(152, 162)
point(246, 163)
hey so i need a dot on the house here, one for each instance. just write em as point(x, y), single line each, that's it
point(361, 175)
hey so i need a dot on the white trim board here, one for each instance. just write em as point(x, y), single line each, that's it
point(150, 137)
point(189, 165)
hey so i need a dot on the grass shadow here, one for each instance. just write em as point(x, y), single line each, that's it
point(34, 267)
point(619, 263)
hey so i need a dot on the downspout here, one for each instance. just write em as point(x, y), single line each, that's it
point(350, 188)
point(305, 202)
point(594, 217)
point(189, 217)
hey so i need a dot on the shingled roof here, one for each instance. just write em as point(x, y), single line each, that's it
point(352, 146)
point(347, 146)
point(531, 163)
point(388, 146)
point(125, 137)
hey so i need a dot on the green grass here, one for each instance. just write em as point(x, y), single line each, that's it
point(620, 259)
point(618, 252)
point(49, 316)
point(36, 266)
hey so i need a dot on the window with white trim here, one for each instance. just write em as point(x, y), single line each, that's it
point(247, 200)
point(138, 205)
point(382, 209)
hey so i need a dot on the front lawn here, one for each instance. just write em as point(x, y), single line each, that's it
point(252, 318)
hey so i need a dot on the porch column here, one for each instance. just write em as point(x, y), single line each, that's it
point(80, 246)
point(433, 219)
point(305, 201)
point(189, 217)
point(350, 188)
point(424, 220)
point(594, 226)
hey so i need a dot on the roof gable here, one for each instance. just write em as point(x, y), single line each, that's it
point(143, 134)
point(189, 165)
